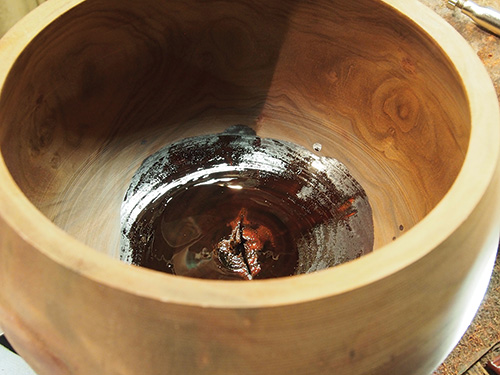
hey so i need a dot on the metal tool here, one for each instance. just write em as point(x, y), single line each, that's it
point(486, 17)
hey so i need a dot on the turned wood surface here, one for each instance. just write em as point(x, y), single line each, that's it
point(484, 331)
point(170, 70)
point(402, 102)
point(12, 11)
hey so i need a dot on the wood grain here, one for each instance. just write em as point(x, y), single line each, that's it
point(404, 103)
point(12, 11)
point(477, 370)
point(158, 77)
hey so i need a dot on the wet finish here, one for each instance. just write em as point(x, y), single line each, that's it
point(236, 206)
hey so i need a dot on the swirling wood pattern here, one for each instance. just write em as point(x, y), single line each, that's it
point(107, 85)
point(110, 82)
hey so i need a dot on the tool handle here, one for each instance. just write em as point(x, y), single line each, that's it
point(485, 17)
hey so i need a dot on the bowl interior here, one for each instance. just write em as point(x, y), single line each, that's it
point(111, 82)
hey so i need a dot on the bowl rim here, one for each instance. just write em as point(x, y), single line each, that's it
point(482, 154)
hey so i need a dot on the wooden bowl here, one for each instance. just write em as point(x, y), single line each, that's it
point(91, 88)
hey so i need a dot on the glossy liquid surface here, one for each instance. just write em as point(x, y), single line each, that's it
point(238, 207)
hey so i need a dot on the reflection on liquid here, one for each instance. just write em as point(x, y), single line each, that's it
point(236, 206)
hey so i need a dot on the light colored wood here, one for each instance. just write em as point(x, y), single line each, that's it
point(401, 100)
point(11, 11)
point(477, 370)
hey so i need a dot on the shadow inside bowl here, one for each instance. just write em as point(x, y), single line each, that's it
point(109, 83)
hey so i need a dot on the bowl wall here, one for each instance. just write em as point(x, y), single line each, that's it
point(91, 88)
point(110, 82)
